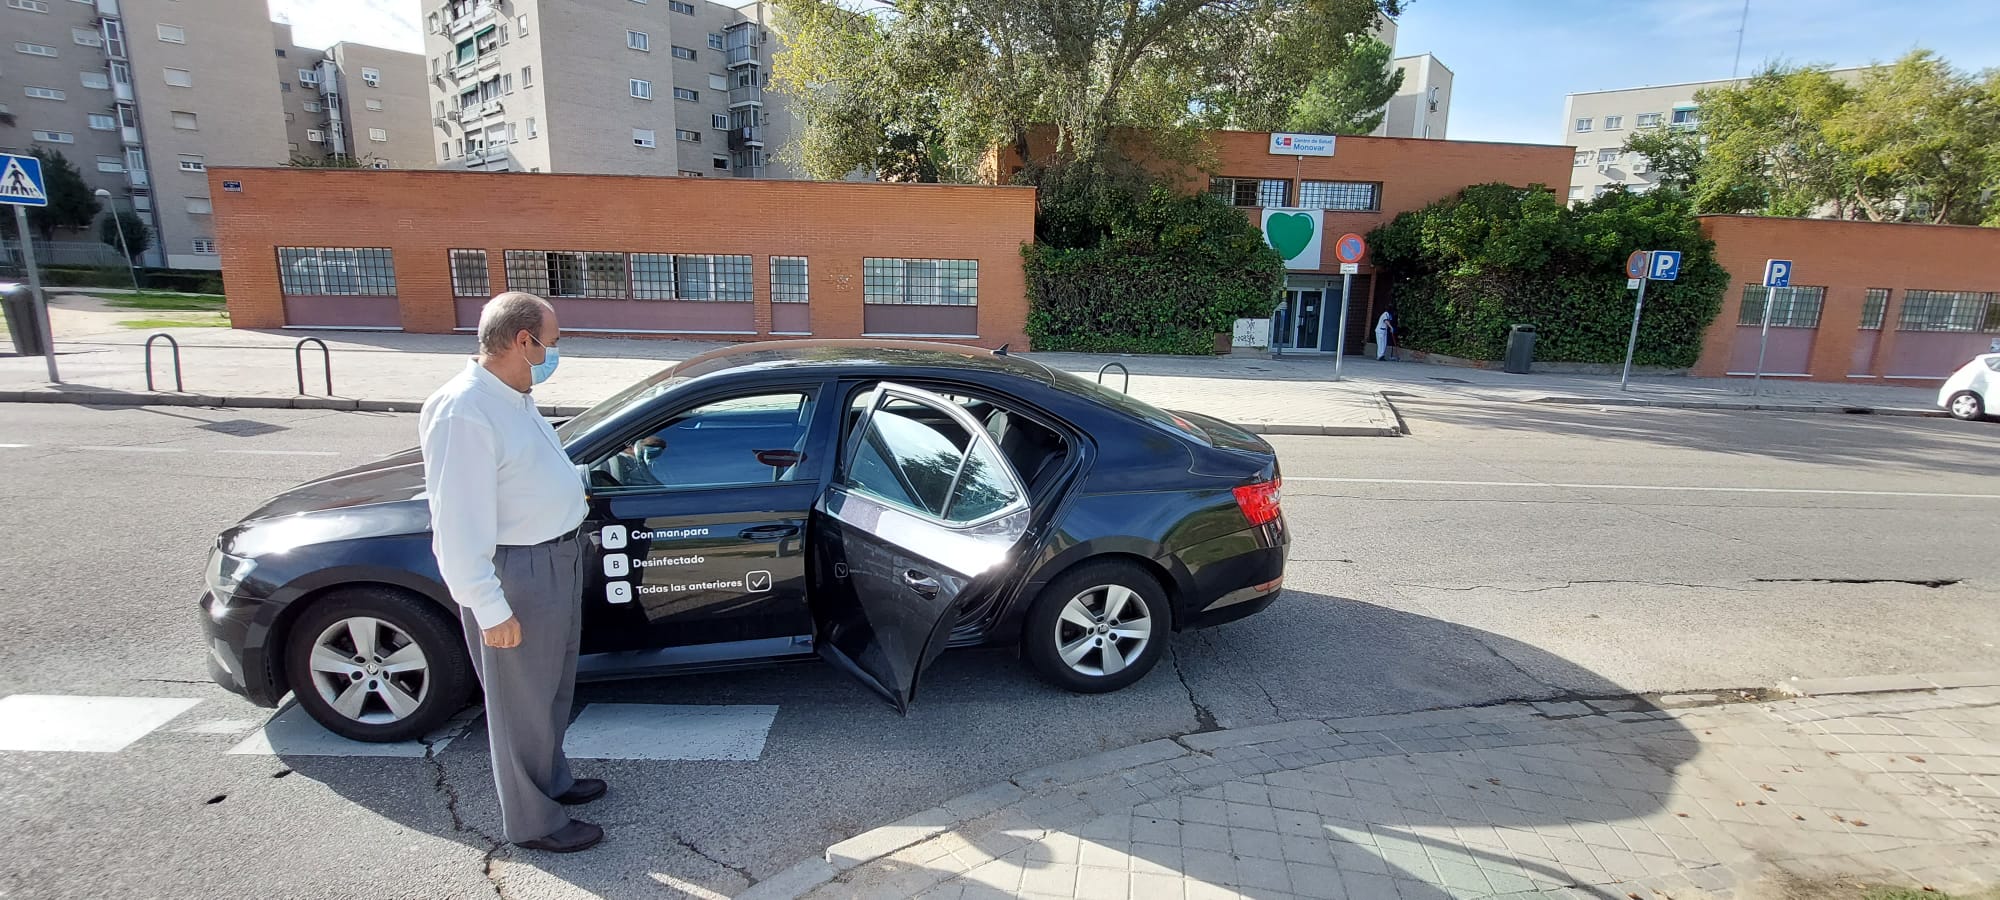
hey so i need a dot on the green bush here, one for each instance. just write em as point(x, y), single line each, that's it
point(1143, 269)
point(85, 276)
point(187, 282)
point(1464, 269)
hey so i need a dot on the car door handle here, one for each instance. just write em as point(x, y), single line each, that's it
point(769, 532)
point(921, 583)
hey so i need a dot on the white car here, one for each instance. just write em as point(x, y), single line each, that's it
point(1969, 392)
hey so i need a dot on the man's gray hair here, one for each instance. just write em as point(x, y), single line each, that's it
point(506, 316)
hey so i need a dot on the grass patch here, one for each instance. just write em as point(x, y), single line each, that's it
point(204, 322)
point(166, 302)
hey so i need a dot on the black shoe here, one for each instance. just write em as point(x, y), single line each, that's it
point(570, 838)
point(582, 791)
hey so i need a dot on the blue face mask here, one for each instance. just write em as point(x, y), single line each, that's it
point(541, 371)
point(648, 453)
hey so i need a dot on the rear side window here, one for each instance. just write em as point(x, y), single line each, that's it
point(1993, 362)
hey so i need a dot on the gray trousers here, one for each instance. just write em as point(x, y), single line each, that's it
point(529, 687)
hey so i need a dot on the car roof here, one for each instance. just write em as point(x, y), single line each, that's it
point(860, 354)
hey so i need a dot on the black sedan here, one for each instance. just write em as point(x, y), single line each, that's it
point(871, 503)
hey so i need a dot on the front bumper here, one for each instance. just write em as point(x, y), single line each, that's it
point(232, 661)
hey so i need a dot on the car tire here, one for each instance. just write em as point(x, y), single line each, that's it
point(1072, 609)
point(391, 692)
point(1966, 406)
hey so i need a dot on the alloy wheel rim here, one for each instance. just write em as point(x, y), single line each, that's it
point(1103, 629)
point(369, 670)
point(1963, 406)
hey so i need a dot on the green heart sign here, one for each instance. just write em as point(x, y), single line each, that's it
point(1289, 233)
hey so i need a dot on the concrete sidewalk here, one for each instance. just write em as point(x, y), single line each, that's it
point(1679, 796)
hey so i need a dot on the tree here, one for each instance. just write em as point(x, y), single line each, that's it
point(936, 84)
point(72, 204)
point(1923, 140)
point(1350, 97)
point(138, 235)
point(1766, 147)
point(1674, 156)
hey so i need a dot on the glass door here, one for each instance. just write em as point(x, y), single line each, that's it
point(1305, 306)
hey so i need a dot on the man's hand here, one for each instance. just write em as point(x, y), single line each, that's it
point(504, 636)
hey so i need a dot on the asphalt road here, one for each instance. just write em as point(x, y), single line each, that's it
point(1500, 551)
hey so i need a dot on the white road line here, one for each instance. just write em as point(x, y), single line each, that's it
point(1643, 487)
point(137, 449)
point(282, 452)
point(292, 732)
point(13, 446)
point(656, 731)
point(48, 722)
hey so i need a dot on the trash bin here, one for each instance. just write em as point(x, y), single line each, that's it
point(1520, 349)
point(23, 323)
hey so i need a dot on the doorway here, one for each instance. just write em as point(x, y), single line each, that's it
point(1306, 305)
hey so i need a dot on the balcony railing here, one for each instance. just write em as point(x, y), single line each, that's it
point(136, 177)
point(737, 56)
point(480, 15)
point(745, 94)
point(129, 134)
point(746, 137)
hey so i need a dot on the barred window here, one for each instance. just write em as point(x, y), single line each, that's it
point(1950, 311)
point(468, 274)
point(1873, 307)
point(788, 279)
point(1349, 195)
point(1791, 307)
point(923, 282)
point(337, 271)
point(553, 273)
point(1269, 192)
point(708, 277)
point(652, 276)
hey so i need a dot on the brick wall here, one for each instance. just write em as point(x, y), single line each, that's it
point(423, 214)
point(1848, 258)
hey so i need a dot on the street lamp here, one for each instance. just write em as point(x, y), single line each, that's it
point(119, 227)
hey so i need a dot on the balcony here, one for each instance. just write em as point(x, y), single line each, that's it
point(490, 108)
point(122, 90)
point(741, 56)
point(488, 61)
point(745, 95)
point(129, 135)
point(746, 137)
point(464, 70)
point(136, 177)
point(107, 7)
point(480, 15)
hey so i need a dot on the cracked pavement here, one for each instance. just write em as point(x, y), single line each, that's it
point(1403, 595)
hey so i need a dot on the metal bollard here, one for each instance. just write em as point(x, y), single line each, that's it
point(299, 362)
point(176, 345)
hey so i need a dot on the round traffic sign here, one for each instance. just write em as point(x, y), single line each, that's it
point(1637, 263)
point(1350, 248)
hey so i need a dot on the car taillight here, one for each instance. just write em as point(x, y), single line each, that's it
point(1259, 501)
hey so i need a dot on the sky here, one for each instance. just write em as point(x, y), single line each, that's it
point(1513, 61)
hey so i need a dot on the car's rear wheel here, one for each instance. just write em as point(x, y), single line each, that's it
point(1966, 405)
point(1098, 627)
point(378, 665)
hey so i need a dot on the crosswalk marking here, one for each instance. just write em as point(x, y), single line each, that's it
point(148, 449)
point(656, 731)
point(45, 722)
point(292, 732)
point(282, 452)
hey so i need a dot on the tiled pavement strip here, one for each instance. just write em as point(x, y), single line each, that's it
point(1604, 799)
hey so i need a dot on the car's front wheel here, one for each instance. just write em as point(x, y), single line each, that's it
point(1966, 405)
point(378, 665)
point(1098, 627)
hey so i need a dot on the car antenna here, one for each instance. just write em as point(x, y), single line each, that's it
point(1002, 351)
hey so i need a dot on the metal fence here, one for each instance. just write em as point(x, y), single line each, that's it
point(64, 253)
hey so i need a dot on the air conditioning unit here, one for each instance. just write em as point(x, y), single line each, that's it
point(1604, 167)
point(372, 80)
point(1639, 168)
point(381, 164)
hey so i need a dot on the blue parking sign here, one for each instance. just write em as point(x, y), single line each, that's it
point(21, 181)
point(1666, 265)
point(1778, 273)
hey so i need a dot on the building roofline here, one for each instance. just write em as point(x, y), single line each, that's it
point(1654, 87)
point(1433, 56)
point(1854, 222)
point(372, 173)
point(1426, 141)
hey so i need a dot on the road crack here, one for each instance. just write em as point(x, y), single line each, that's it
point(749, 879)
point(1204, 719)
point(1917, 582)
point(442, 785)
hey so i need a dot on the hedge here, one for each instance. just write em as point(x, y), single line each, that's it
point(1464, 269)
point(183, 280)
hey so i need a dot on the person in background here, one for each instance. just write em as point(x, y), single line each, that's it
point(634, 465)
point(1385, 328)
point(506, 509)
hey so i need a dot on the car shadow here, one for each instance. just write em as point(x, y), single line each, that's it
point(837, 762)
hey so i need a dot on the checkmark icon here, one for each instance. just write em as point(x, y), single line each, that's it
point(758, 581)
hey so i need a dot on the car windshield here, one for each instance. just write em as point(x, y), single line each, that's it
point(1064, 381)
point(611, 407)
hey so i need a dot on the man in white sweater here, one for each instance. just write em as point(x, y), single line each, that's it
point(506, 506)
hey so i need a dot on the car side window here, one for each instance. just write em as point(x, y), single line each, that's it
point(1993, 362)
point(920, 457)
point(739, 441)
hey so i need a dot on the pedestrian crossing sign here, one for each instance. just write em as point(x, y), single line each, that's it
point(21, 181)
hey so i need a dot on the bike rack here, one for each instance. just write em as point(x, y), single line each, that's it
point(299, 362)
point(176, 345)
point(1126, 388)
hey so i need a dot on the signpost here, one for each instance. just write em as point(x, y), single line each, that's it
point(1644, 266)
point(1349, 250)
point(1777, 275)
point(21, 186)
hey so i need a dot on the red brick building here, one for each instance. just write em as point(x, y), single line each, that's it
point(1366, 182)
point(713, 258)
point(1869, 302)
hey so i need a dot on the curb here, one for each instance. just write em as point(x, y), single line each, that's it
point(1885, 684)
point(1732, 405)
point(247, 401)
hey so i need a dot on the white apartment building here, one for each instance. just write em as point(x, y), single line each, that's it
point(1422, 105)
point(354, 100)
point(142, 96)
point(642, 87)
point(1597, 124)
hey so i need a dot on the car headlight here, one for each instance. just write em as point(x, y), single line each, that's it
point(226, 573)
